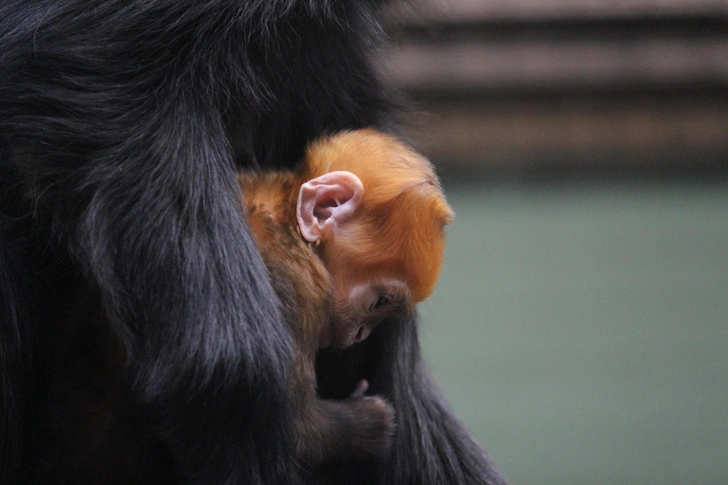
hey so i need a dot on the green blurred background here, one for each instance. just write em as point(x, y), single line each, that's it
point(580, 327)
point(581, 330)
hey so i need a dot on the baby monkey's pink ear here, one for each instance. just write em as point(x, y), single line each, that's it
point(324, 203)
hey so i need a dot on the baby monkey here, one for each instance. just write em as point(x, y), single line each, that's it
point(354, 235)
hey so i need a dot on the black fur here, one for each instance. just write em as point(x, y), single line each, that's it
point(431, 446)
point(120, 125)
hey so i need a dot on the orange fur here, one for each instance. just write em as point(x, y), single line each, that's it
point(399, 228)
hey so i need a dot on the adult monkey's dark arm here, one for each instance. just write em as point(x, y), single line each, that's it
point(431, 446)
point(117, 120)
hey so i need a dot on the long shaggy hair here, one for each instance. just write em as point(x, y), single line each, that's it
point(121, 123)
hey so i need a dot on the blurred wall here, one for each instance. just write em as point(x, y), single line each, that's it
point(552, 84)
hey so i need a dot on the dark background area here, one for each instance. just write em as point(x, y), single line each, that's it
point(580, 327)
point(550, 85)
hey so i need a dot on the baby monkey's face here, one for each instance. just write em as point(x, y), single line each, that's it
point(358, 307)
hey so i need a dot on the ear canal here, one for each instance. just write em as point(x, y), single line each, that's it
point(326, 202)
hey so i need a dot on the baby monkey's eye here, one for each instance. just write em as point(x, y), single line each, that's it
point(381, 302)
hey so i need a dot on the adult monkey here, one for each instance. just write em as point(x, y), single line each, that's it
point(120, 124)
